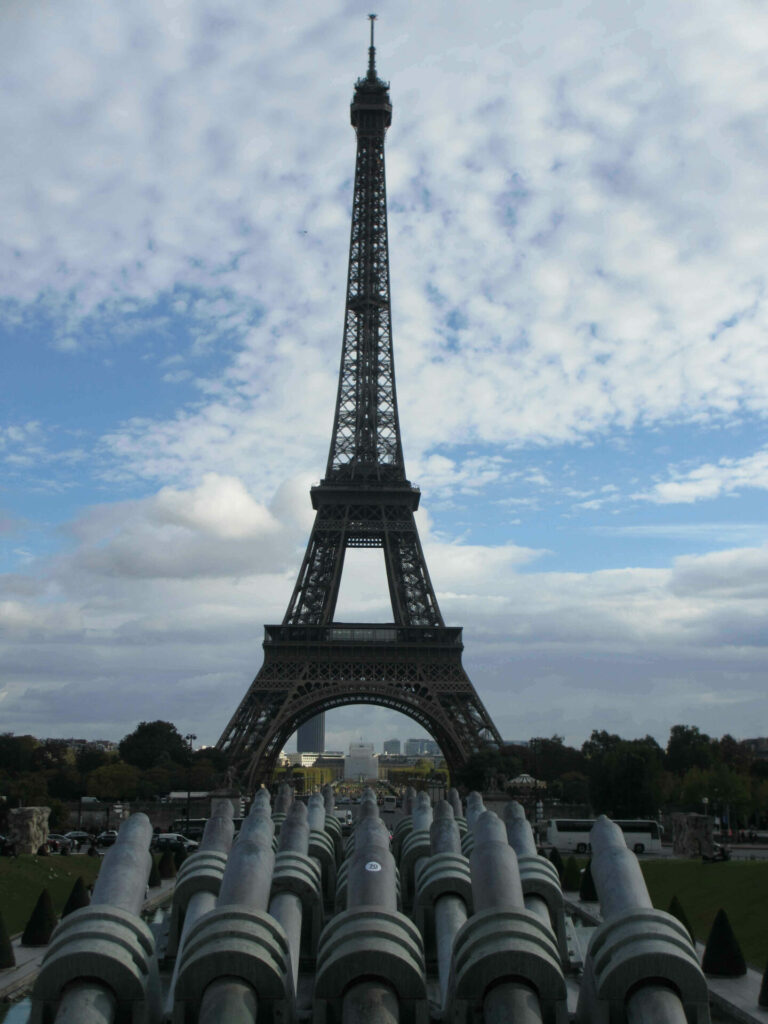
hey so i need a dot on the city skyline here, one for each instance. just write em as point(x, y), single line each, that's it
point(577, 244)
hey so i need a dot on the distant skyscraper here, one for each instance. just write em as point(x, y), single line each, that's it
point(311, 735)
point(391, 746)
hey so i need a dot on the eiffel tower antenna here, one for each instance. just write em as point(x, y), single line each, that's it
point(372, 50)
point(311, 662)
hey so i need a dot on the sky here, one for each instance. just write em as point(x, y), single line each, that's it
point(578, 222)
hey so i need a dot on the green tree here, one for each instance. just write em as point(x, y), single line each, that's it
point(150, 741)
point(16, 752)
point(118, 781)
point(688, 748)
point(734, 754)
point(486, 769)
point(574, 787)
point(88, 759)
point(549, 759)
point(625, 780)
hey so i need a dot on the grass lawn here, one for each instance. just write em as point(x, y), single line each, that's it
point(739, 887)
point(22, 879)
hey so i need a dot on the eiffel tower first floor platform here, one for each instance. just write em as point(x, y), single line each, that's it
point(415, 670)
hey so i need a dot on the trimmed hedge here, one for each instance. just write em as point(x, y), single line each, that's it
point(167, 865)
point(78, 897)
point(41, 922)
point(675, 908)
point(723, 956)
point(7, 956)
point(557, 860)
point(571, 875)
point(587, 890)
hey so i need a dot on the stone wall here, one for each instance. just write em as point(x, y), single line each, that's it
point(28, 828)
point(692, 835)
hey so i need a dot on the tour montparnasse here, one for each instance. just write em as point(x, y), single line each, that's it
point(311, 662)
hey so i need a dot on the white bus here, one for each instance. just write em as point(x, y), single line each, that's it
point(642, 835)
point(389, 803)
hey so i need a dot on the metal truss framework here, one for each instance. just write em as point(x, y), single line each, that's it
point(312, 664)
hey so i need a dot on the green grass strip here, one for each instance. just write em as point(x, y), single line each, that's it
point(23, 878)
point(739, 887)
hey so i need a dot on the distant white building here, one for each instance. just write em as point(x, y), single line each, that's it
point(361, 762)
point(305, 759)
point(423, 745)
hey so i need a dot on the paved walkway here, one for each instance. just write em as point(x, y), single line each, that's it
point(15, 981)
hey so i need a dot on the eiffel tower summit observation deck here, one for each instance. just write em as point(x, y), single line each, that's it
point(313, 663)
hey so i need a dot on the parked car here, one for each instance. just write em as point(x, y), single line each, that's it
point(79, 838)
point(58, 842)
point(108, 838)
point(173, 841)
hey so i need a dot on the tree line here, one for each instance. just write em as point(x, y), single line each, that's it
point(638, 778)
point(619, 777)
point(149, 762)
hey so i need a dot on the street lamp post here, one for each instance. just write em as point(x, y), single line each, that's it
point(189, 738)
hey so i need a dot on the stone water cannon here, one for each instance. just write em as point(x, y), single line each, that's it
point(405, 824)
point(370, 962)
point(199, 878)
point(369, 811)
point(368, 807)
point(454, 799)
point(505, 957)
point(332, 823)
point(641, 967)
point(542, 892)
point(296, 895)
point(321, 845)
point(99, 967)
point(283, 802)
point(415, 846)
point(443, 892)
point(475, 807)
point(236, 960)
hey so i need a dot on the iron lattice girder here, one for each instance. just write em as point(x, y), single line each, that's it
point(366, 517)
point(366, 431)
point(419, 677)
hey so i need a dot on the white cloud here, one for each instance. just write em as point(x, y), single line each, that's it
point(712, 480)
point(587, 224)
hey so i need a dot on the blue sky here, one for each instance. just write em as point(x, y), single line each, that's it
point(578, 251)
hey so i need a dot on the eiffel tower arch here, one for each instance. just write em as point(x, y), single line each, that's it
point(311, 662)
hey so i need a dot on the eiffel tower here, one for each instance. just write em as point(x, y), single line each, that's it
point(311, 662)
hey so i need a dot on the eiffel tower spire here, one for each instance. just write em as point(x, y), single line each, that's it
point(311, 662)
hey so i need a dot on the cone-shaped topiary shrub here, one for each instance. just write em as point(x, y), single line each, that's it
point(179, 856)
point(7, 956)
point(154, 875)
point(167, 865)
point(77, 898)
point(41, 922)
point(675, 908)
point(723, 954)
point(571, 875)
point(762, 999)
point(587, 890)
point(557, 860)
